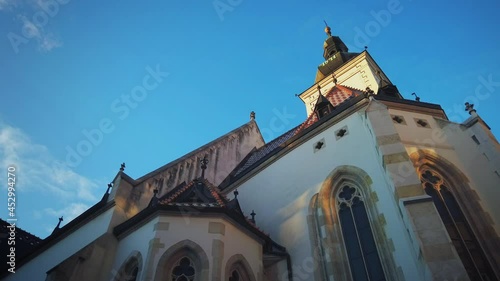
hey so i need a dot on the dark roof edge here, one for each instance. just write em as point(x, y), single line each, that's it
point(408, 102)
point(149, 213)
point(23, 232)
point(194, 152)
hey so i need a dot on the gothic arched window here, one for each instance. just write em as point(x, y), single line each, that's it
point(130, 269)
point(363, 257)
point(183, 270)
point(239, 271)
point(235, 276)
point(458, 228)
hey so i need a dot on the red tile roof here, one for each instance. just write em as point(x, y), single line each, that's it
point(337, 95)
point(216, 199)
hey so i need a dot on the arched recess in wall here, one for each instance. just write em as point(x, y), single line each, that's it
point(346, 203)
point(470, 228)
point(185, 259)
point(131, 268)
point(238, 269)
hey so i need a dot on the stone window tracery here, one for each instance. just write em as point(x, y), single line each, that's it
point(184, 270)
point(363, 257)
point(455, 222)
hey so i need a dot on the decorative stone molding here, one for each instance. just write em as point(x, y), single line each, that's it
point(238, 262)
point(185, 248)
point(328, 249)
point(216, 228)
point(468, 200)
point(126, 269)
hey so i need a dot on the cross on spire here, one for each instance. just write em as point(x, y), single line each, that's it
point(470, 108)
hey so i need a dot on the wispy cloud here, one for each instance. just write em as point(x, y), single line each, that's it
point(46, 40)
point(69, 212)
point(40, 170)
point(7, 4)
point(33, 19)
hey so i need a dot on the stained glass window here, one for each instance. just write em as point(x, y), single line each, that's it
point(133, 275)
point(183, 271)
point(458, 229)
point(362, 253)
point(235, 276)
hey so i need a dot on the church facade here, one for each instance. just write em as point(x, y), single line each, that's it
point(392, 190)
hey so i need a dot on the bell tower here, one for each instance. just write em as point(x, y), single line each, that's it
point(335, 54)
point(357, 71)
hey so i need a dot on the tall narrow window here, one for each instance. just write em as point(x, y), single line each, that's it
point(183, 271)
point(133, 275)
point(459, 230)
point(364, 260)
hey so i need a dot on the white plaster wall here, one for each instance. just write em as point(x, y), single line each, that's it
point(454, 143)
point(135, 241)
point(359, 73)
point(37, 268)
point(196, 230)
point(237, 242)
point(281, 193)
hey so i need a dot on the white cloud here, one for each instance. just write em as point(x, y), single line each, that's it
point(38, 171)
point(7, 4)
point(68, 213)
point(49, 42)
point(46, 40)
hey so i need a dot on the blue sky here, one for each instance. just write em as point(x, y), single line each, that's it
point(67, 67)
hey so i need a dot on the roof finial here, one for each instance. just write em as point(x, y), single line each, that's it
point(105, 196)
point(203, 163)
point(236, 194)
point(58, 225)
point(470, 108)
point(122, 167)
point(154, 199)
point(252, 115)
point(328, 30)
point(417, 98)
point(253, 216)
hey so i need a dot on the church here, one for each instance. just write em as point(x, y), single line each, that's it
point(392, 190)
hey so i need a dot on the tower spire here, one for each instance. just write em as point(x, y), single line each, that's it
point(335, 53)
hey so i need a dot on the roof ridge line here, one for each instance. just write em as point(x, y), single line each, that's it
point(191, 153)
